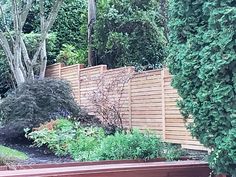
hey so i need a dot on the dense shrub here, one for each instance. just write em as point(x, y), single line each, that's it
point(68, 138)
point(56, 135)
point(129, 33)
point(87, 142)
point(92, 143)
point(203, 61)
point(69, 55)
point(35, 102)
point(5, 77)
point(135, 145)
point(71, 25)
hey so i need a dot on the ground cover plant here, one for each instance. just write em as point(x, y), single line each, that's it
point(10, 156)
point(92, 143)
point(202, 59)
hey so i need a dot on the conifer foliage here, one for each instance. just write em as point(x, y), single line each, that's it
point(203, 61)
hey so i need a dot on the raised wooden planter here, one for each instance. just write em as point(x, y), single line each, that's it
point(122, 168)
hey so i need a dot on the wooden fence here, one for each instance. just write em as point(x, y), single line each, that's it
point(147, 102)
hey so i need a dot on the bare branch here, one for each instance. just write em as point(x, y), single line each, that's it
point(49, 22)
point(25, 12)
point(5, 24)
point(25, 54)
point(6, 47)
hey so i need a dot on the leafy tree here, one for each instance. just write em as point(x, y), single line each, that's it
point(129, 33)
point(71, 24)
point(22, 66)
point(70, 28)
point(203, 61)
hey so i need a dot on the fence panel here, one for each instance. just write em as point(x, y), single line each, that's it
point(146, 99)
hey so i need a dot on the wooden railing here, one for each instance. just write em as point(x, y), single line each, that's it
point(113, 169)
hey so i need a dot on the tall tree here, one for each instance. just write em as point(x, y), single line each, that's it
point(12, 39)
point(164, 15)
point(91, 21)
point(129, 33)
point(202, 60)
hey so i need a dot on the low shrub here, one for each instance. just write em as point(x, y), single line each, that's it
point(65, 137)
point(172, 152)
point(92, 143)
point(85, 145)
point(9, 156)
point(35, 102)
point(56, 135)
point(134, 145)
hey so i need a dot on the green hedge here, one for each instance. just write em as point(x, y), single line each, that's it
point(203, 61)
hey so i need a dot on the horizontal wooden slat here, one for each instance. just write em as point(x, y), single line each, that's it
point(141, 101)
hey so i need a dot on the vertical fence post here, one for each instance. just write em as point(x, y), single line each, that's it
point(59, 69)
point(130, 70)
point(80, 66)
point(163, 104)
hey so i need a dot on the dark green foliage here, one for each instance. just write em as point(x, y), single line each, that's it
point(203, 61)
point(70, 27)
point(32, 40)
point(5, 77)
point(129, 33)
point(71, 24)
point(69, 55)
point(35, 102)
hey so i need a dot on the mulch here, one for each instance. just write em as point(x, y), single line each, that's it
point(37, 155)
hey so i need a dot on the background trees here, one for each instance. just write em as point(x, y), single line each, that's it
point(129, 33)
point(22, 65)
point(202, 59)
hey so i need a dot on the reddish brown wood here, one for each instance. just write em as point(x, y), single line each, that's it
point(222, 175)
point(150, 169)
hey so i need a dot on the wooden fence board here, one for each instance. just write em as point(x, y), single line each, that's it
point(148, 99)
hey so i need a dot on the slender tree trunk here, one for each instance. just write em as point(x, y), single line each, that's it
point(43, 55)
point(164, 14)
point(91, 21)
point(20, 72)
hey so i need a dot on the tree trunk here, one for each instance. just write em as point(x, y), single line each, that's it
point(164, 14)
point(43, 55)
point(16, 52)
point(91, 21)
point(19, 76)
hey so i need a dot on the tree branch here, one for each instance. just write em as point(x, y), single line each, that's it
point(43, 55)
point(5, 24)
point(6, 47)
point(49, 22)
point(25, 54)
point(25, 12)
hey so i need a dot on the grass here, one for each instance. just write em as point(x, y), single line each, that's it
point(8, 155)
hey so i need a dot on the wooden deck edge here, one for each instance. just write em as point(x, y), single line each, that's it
point(121, 170)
